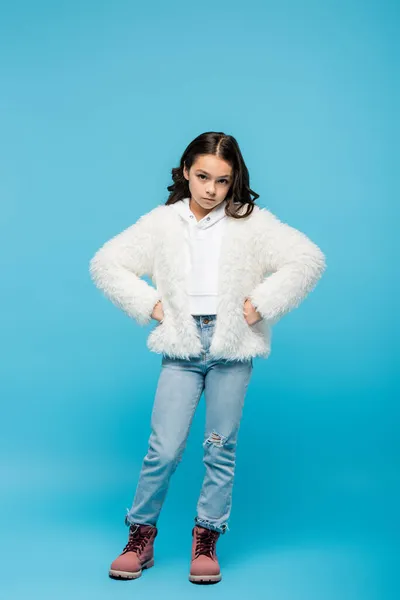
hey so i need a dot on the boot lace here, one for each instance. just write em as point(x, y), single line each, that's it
point(205, 542)
point(137, 539)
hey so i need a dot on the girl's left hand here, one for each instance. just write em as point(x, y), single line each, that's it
point(250, 313)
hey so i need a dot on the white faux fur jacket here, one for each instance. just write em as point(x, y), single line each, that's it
point(261, 258)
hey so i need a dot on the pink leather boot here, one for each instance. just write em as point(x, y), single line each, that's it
point(204, 567)
point(138, 553)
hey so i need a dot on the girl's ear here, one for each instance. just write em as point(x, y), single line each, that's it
point(185, 172)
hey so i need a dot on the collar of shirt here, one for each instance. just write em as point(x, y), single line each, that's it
point(216, 214)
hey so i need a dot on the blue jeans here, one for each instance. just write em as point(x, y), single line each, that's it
point(179, 389)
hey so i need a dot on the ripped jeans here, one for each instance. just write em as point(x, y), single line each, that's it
point(179, 389)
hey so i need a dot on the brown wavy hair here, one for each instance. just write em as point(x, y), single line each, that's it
point(226, 147)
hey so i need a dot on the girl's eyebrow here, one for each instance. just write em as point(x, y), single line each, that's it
point(202, 170)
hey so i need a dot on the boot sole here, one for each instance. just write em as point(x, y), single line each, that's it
point(205, 579)
point(126, 575)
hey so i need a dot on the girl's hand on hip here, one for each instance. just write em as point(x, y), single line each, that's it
point(158, 312)
point(250, 313)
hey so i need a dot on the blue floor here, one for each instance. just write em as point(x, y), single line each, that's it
point(46, 557)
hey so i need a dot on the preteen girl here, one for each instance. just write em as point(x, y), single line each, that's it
point(224, 271)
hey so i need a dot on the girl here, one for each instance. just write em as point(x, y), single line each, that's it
point(224, 271)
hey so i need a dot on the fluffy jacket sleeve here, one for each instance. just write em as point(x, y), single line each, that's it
point(296, 264)
point(117, 267)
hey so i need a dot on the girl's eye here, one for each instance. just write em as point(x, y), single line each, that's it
point(225, 181)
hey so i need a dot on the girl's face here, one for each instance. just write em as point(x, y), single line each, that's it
point(210, 179)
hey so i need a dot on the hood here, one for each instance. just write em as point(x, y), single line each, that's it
point(216, 214)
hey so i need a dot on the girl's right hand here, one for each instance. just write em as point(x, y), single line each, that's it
point(158, 312)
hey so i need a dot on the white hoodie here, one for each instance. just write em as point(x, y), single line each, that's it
point(204, 240)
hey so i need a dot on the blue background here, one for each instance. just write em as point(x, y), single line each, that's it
point(97, 103)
